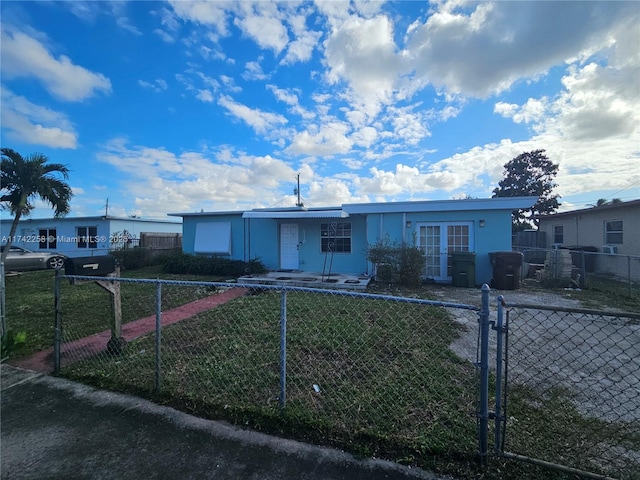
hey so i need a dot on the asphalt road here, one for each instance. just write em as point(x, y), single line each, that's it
point(52, 428)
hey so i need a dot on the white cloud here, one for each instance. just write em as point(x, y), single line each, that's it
point(260, 121)
point(300, 49)
point(253, 71)
point(166, 37)
point(365, 137)
point(268, 32)
point(230, 83)
point(26, 122)
point(125, 23)
point(331, 192)
point(205, 96)
point(158, 85)
point(212, 14)
point(487, 50)
point(283, 95)
point(329, 139)
point(362, 53)
point(406, 181)
point(24, 56)
point(533, 111)
point(168, 182)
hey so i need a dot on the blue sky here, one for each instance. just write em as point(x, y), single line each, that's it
point(186, 106)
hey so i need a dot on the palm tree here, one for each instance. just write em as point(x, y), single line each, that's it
point(603, 201)
point(23, 179)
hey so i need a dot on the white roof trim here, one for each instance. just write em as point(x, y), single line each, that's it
point(500, 203)
point(297, 214)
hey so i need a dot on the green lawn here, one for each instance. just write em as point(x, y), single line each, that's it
point(387, 383)
point(30, 304)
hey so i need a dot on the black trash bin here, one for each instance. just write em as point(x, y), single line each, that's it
point(463, 269)
point(506, 270)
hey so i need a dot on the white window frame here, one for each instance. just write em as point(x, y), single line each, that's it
point(607, 232)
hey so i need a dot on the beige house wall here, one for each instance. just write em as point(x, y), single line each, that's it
point(587, 227)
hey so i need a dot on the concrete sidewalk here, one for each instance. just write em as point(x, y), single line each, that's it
point(52, 428)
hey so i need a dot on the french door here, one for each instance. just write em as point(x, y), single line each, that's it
point(438, 240)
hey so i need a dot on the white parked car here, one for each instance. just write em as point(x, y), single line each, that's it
point(22, 259)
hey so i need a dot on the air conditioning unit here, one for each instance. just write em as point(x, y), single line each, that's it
point(610, 249)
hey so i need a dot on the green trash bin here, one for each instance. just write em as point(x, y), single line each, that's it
point(463, 269)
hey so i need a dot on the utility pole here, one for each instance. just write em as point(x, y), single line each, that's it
point(297, 191)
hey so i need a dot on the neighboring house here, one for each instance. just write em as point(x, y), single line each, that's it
point(337, 238)
point(84, 236)
point(613, 228)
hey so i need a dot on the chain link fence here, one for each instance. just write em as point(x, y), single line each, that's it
point(584, 267)
point(370, 373)
point(569, 389)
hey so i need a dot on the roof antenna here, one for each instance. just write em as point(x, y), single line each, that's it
point(296, 191)
point(106, 208)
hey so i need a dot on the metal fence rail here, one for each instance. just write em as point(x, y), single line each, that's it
point(607, 272)
point(561, 366)
point(339, 365)
point(398, 377)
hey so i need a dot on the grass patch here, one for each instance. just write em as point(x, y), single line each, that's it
point(608, 292)
point(387, 384)
point(86, 308)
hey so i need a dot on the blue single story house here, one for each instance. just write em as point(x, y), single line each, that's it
point(84, 236)
point(299, 238)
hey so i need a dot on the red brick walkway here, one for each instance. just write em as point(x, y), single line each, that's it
point(85, 347)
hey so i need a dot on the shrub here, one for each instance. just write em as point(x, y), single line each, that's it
point(130, 259)
point(397, 263)
point(183, 263)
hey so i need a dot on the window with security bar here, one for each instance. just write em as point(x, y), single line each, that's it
point(335, 237)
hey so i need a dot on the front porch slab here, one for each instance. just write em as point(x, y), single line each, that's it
point(299, 278)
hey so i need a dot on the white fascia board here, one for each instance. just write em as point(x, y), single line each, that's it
point(205, 214)
point(297, 214)
point(499, 203)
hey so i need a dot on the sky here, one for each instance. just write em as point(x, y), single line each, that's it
point(189, 106)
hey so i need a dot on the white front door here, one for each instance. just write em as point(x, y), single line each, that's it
point(438, 241)
point(289, 246)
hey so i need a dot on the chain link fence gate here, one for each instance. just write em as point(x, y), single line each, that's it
point(568, 389)
point(378, 375)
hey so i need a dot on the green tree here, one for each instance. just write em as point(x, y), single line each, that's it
point(530, 174)
point(24, 179)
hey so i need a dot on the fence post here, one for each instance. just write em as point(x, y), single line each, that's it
point(283, 349)
point(3, 304)
point(57, 326)
point(483, 411)
point(499, 417)
point(629, 273)
point(158, 336)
